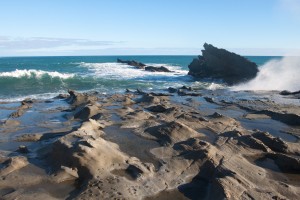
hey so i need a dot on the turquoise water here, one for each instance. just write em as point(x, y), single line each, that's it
point(48, 76)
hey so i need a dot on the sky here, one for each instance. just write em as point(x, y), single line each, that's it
point(148, 27)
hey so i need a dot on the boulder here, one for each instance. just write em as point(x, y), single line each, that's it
point(133, 63)
point(224, 65)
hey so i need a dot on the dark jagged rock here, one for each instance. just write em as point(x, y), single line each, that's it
point(62, 96)
point(216, 115)
point(140, 65)
point(78, 99)
point(140, 92)
point(209, 99)
point(157, 69)
point(286, 92)
point(160, 94)
point(172, 90)
point(186, 88)
point(180, 92)
point(157, 108)
point(25, 105)
point(285, 162)
point(222, 64)
point(86, 112)
point(23, 149)
point(133, 63)
point(276, 144)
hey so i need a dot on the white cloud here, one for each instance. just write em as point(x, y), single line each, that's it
point(36, 43)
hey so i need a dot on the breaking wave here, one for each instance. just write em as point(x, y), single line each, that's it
point(32, 73)
point(123, 71)
point(280, 74)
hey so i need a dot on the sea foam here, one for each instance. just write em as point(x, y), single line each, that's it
point(123, 71)
point(280, 74)
point(35, 73)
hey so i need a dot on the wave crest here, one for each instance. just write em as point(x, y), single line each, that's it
point(31, 73)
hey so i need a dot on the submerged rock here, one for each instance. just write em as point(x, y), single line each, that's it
point(286, 92)
point(140, 65)
point(172, 90)
point(157, 69)
point(25, 105)
point(222, 64)
point(133, 63)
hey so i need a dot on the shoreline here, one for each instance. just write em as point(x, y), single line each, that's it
point(142, 145)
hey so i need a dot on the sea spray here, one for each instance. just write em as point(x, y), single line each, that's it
point(280, 74)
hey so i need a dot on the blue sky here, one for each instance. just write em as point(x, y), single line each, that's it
point(124, 27)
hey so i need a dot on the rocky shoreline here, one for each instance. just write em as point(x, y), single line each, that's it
point(176, 144)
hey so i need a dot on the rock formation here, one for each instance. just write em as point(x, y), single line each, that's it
point(148, 146)
point(140, 65)
point(157, 69)
point(221, 64)
point(133, 63)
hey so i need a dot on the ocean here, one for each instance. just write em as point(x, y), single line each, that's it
point(46, 77)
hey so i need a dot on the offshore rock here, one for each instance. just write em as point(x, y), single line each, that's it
point(140, 65)
point(133, 63)
point(221, 64)
point(157, 69)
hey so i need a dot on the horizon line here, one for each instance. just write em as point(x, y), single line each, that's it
point(136, 55)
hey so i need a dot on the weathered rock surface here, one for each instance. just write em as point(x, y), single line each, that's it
point(172, 132)
point(289, 114)
point(12, 164)
point(221, 64)
point(87, 112)
point(79, 99)
point(157, 108)
point(25, 105)
point(152, 146)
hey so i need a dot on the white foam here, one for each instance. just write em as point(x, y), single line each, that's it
point(215, 86)
point(280, 74)
point(35, 73)
point(123, 71)
point(44, 96)
point(208, 85)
